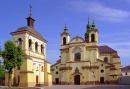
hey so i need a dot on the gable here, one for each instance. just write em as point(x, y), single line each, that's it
point(77, 39)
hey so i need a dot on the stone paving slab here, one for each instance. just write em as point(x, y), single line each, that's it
point(75, 87)
point(87, 87)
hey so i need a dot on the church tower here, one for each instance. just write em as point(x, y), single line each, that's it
point(87, 33)
point(65, 36)
point(91, 35)
point(35, 70)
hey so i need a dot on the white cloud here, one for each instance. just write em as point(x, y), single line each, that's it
point(101, 11)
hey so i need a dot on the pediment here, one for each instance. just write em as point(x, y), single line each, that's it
point(76, 39)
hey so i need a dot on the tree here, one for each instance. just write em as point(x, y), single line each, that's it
point(2, 71)
point(13, 56)
point(20, 56)
point(0, 51)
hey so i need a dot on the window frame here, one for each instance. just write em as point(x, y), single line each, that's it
point(30, 44)
point(36, 46)
point(106, 60)
point(20, 42)
point(77, 56)
point(92, 37)
point(64, 41)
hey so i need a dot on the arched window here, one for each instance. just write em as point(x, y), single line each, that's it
point(77, 56)
point(42, 49)
point(36, 46)
point(106, 59)
point(64, 41)
point(19, 41)
point(42, 69)
point(30, 44)
point(92, 37)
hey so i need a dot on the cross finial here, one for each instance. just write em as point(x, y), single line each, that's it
point(30, 11)
point(88, 20)
point(93, 24)
point(65, 26)
point(88, 25)
point(30, 20)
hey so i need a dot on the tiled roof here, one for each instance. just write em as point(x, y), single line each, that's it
point(31, 31)
point(126, 68)
point(106, 49)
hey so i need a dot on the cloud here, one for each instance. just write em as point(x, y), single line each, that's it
point(101, 11)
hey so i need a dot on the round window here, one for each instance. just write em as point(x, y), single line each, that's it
point(102, 71)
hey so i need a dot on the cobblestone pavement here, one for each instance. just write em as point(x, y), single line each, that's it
point(87, 87)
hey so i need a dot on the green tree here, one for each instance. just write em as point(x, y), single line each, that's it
point(0, 51)
point(20, 56)
point(13, 56)
point(2, 71)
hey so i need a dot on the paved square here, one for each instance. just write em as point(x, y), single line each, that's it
point(88, 87)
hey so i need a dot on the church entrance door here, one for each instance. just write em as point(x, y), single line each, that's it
point(101, 79)
point(77, 79)
point(57, 80)
point(36, 79)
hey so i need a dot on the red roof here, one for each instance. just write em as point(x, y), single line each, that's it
point(106, 49)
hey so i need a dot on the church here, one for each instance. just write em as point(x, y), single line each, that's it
point(83, 61)
point(35, 70)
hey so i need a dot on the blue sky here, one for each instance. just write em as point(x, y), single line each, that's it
point(112, 18)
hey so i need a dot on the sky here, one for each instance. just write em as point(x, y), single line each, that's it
point(112, 18)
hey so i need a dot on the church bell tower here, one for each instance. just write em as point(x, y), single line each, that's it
point(91, 35)
point(65, 36)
